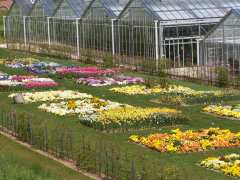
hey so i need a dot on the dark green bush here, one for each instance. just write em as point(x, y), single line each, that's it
point(222, 77)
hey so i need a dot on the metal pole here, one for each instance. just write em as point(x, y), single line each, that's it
point(77, 31)
point(156, 44)
point(48, 27)
point(198, 52)
point(24, 30)
point(4, 26)
point(113, 39)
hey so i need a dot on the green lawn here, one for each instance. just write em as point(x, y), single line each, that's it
point(17, 162)
point(152, 160)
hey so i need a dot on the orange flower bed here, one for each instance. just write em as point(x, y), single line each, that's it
point(189, 141)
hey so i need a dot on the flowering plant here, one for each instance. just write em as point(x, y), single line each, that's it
point(189, 141)
point(28, 82)
point(87, 106)
point(84, 71)
point(129, 118)
point(105, 81)
point(228, 164)
point(38, 84)
point(141, 90)
point(42, 96)
point(227, 111)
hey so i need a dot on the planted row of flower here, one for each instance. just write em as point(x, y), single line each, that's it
point(107, 81)
point(45, 96)
point(32, 65)
point(28, 82)
point(172, 89)
point(189, 141)
point(225, 111)
point(84, 71)
point(102, 114)
point(131, 118)
point(228, 164)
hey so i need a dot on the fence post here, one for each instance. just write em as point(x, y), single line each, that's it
point(156, 43)
point(77, 31)
point(24, 30)
point(4, 26)
point(113, 39)
point(48, 27)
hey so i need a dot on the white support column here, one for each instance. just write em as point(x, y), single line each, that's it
point(48, 28)
point(113, 37)
point(198, 52)
point(24, 30)
point(4, 26)
point(156, 44)
point(77, 31)
point(161, 40)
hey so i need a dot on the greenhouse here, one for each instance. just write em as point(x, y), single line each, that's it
point(222, 44)
point(20, 8)
point(138, 33)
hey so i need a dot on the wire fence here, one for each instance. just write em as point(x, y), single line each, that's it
point(142, 46)
point(99, 156)
point(130, 43)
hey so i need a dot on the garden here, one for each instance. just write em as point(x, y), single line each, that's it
point(120, 124)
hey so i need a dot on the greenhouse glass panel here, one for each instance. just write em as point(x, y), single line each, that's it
point(21, 8)
point(170, 10)
point(104, 9)
point(222, 45)
point(71, 8)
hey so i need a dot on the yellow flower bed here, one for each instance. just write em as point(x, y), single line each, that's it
point(228, 164)
point(228, 111)
point(189, 141)
point(143, 90)
point(119, 115)
point(129, 117)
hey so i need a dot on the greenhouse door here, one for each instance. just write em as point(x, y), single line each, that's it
point(181, 51)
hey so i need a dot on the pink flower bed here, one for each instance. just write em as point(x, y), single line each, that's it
point(39, 84)
point(88, 71)
point(22, 78)
point(105, 81)
point(28, 82)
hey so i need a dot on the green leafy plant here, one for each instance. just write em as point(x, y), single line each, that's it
point(222, 77)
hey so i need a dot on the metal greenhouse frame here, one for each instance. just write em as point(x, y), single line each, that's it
point(222, 44)
point(138, 33)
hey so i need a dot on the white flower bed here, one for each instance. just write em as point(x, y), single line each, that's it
point(31, 97)
point(84, 107)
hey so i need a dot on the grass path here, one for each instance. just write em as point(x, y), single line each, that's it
point(18, 162)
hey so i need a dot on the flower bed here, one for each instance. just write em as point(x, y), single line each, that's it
point(33, 65)
point(226, 111)
point(174, 89)
point(88, 105)
point(189, 141)
point(28, 82)
point(84, 71)
point(228, 164)
point(130, 118)
point(43, 96)
point(107, 115)
point(106, 81)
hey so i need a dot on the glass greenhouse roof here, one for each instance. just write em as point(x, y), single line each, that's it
point(49, 6)
point(71, 8)
point(113, 8)
point(24, 5)
point(167, 10)
point(78, 6)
